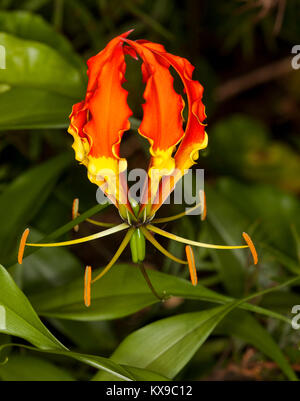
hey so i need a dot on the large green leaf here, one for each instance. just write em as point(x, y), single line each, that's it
point(22, 199)
point(33, 27)
point(120, 292)
point(42, 78)
point(35, 65)
point(85, 335)
point(33, 108)
point(167, 345)
point(18, 318)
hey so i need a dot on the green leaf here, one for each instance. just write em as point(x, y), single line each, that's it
point(167, 345)
point(33, 108)
point(35, 65)
point(33, 27)
point(43, 77)
point(85, 335)
point(18, 318)
point(123, 291)
point(31, 368)
point(23, 198)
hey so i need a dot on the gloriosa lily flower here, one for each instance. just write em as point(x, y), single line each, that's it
point(97, 126)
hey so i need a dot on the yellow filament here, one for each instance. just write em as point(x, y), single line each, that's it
point(187, 212)
point(176, 216)
point(99, 223)
point(157, 245)
point(87, 286)
point(75, 214)
point(116, 256)
point(189, 242)
point(101, 234)
point(192, 267)
point(22, 245)
point(251, 247)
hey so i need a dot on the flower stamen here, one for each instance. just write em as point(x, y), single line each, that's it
point(75, 214)
point(87, 286)
point(189, 242)
point(100, 234)
point(116, 256)
point(157, 245)
point(99, 223)
point(177, 216)
point(191, 262)
point(22, 245)
point(251, 247)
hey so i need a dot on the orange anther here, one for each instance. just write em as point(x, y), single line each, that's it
point(203, 204)
point(22, 245)
point(191, 262)
point(75, 208)
point(251, 247)
point(87, 285)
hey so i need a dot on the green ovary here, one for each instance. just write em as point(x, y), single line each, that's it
point(138, 246)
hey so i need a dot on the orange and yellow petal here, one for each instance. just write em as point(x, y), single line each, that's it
point(98, 123)
point(195, 137)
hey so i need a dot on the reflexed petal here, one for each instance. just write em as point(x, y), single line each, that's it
point(195, 137)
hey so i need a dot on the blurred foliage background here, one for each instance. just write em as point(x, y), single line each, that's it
point(242, 53)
